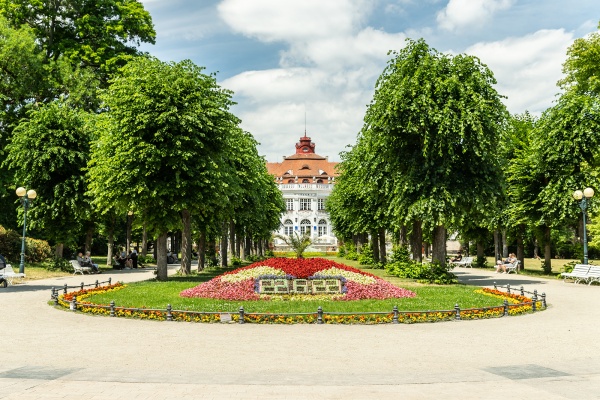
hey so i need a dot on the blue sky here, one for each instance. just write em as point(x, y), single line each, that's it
point(285, 58)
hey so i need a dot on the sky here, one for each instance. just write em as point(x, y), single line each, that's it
point(311, 65)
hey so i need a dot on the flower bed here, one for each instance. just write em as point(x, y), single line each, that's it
point(241, 284)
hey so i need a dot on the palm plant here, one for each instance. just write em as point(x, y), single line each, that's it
point(298, 243)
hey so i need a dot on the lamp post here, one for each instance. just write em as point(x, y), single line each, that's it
point(26, 197)
point(583, 198)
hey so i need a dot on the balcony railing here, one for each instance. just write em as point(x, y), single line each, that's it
point(305, 186)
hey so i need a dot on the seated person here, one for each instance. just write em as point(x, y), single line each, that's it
point(457, 258)
point(119, 263)
point(501, 264)
point(88, 262)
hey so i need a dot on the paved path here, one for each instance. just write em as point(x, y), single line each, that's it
point(54, 354)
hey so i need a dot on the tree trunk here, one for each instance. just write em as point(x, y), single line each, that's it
point(144, 241)
point(128, 233)
point(547, 250)
point(261, 252)
point(247, 247)
point(504, 244)
point(58, 252)
point(521, 246)
point(202, 251)
point(416, 241)
point(439, 245)
point(161, 257)
point(496, 244)
point(403, 236)
point(232, 238)
point(89, 234)
point(238, 245)
point(111, 243)
point(382, 251)
point(186, 243)
point(224, 243)
point(480, 254)
point(375, 246)
point(212, 252)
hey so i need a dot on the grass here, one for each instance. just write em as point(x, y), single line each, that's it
point(153, 294)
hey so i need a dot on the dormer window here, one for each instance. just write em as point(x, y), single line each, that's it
point(305, 149)
point(305, 166)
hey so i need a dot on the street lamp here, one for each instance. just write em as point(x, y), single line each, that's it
point(583, 198)
point(26, 197)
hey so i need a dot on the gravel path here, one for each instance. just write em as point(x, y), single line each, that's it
point(54, 354)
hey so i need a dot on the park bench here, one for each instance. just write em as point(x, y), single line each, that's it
point(78, 268)
point(579, 273)
point(9, 274)
point(513, 267)
point(465, 262)
point(593, 275)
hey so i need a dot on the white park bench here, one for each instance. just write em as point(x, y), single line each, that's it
point(512, 267)
point(78, 268)
point(579, 273)
point(464, 262)
point(9, 274)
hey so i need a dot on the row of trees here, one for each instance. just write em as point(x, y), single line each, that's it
point(439, 153)
point(102, 131)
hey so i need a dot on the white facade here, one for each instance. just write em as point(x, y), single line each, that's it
point(305, 203)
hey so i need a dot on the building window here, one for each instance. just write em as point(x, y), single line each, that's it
point(321, 204)
point(319, 180)
point(290, 181)
point(289, 205)
point(322, 227)
point(305, 205)
point(305, 181)
point(305, 226)
point(288, 227)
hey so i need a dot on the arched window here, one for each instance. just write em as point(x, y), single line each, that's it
point(319, 180)
point(305, 181)
point(322, 227)
point(305, 166)
point(288, 227)
point(290, 181)
point(305, 226)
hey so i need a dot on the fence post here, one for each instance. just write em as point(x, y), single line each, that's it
point(82, 285)
point(505, 308)
point(522, 291)
point(544, 300)
point(65, 289)
point(109, 279)
point(52, 293)
point(96, 283)
point(319, 315)
point(508, 288)
point(534, 299)
point(241, 320)
point(56, 297)
point(74, 303)
point(456, 312)
point(495, 287)
point(395, 318)
point(112, 308)
point(169, 315)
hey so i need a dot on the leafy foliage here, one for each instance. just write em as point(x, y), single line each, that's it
point(298, 243)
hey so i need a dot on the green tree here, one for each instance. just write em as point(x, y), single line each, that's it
point(582, 67)
point(98, 34)
point(159, 152)
point(298, 243)
point(48, 152)
point(435, 123)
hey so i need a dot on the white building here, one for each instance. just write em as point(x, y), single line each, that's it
point(306, 180)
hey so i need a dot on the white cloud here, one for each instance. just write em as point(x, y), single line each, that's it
point(461, 14)
point(276, 20)
point(526, 68)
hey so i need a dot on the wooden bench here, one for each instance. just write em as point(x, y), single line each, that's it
point(579, 273)
point(512, 267)
point(78, 268)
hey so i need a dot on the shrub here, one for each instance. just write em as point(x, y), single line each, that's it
point(37, 250)
point(351, 253)
point(399, 254)
point(58, 264)
point(236, 261)
point(10, 244)
point(429, 273)
point(366, 256)
point(342, 251)
point(148, 258)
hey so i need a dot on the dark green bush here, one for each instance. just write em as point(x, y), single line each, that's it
point(366, 256)
point(422, 272)
point(58, 264)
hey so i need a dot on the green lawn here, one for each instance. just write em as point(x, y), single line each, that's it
point(152, 294)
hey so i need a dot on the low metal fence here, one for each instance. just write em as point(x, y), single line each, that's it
point(395, 316)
